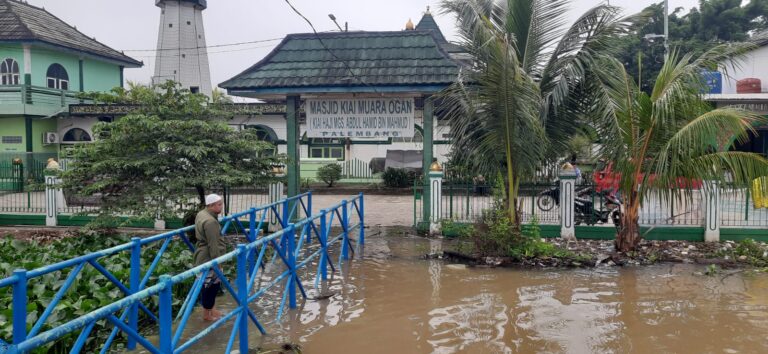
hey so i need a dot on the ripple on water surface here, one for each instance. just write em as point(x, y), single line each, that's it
point(395, 302)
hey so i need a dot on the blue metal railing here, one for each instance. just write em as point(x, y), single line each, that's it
point(286, 250)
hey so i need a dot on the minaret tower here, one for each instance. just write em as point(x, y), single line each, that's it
point(181, 52)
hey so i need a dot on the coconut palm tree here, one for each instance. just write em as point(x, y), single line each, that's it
point(666, 142)
point(519, 99)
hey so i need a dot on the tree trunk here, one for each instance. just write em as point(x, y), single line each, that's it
point(628, 236)
point(201, 195)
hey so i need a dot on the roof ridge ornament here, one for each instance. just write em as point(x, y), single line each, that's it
point(409, 25)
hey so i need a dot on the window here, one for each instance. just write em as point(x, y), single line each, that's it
point(11, 140)
point(57, 77)
point(327, 152)
point(418, 137)
point(9, 72)
point(106, 119)
point(76, 135)
point(324, 148)
point(189, 23)
point(264, 133)
point(170, 25)
point(194, 89)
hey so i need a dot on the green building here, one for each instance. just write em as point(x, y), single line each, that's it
point(44, 64)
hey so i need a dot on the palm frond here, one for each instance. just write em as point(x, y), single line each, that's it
point(535, 25)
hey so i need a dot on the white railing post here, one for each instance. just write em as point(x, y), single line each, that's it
point(712, 207)
point(51, 205)
point(436, 196)
point(567, 188)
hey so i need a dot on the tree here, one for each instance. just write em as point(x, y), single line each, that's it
point(329, 174)
point(171, 150)
point(219, 96)
point(712, 23)
point(514, 106)
point(665, 142)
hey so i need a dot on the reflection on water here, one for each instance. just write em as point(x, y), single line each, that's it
point(394, 302)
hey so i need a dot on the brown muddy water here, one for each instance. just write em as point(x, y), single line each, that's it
point(394, 301)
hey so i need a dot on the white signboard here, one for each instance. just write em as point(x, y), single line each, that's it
point(360, 117)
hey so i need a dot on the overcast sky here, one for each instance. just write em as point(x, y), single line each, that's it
point(132, 25)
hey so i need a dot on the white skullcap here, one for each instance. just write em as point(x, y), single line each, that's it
point(212, 198)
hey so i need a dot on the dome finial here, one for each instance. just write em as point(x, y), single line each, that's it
point(409, 25)
point(427, 13)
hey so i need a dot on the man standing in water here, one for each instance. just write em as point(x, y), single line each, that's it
point(209, 246)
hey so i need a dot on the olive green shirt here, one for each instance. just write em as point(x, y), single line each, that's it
point(210, 244)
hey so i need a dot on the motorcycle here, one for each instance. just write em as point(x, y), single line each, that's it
point(585, 211)
point(547, 199)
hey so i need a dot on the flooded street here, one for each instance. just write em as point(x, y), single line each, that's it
point(393, 301)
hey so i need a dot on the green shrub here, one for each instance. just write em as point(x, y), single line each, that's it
point(398, 177)
point(454, 229)
point(329, 174)
point(306, 183)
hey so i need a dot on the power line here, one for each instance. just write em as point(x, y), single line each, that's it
point(175, 55)
point(206, 47)
point(317, 35)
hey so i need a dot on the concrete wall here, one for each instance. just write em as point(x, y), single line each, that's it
point(100, 76)
point(43, 58)
point(754, 64)
point(13, 126)
point(39, 127)
point(97, 75)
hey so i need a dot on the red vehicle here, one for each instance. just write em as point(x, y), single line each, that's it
point(607, 180)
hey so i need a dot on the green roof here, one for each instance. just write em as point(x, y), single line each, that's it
point(348, 60)
point(427, 23)
point(21, 22)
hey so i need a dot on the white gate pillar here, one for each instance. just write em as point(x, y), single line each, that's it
point(567, 196)
point(51, 203)
point(712, 207)
point(435, 197)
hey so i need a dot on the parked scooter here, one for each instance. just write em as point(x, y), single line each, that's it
point(547, 199)
point(585, 211)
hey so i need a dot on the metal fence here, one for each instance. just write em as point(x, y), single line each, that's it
point(21, 187)
point(743, 207)
point(536, 201)
point(471, 202)
point(11, 177)
point(240, 198)
point(460, 202)
point(25, 197)
point(675, 209)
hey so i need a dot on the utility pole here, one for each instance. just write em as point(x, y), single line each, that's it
point(651, 36)
point(666, 28)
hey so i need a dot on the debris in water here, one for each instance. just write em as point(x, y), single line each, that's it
point(457, 266)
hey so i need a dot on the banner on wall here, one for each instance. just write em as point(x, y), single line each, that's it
point(390, 117)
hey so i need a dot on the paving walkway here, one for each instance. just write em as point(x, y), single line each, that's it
point(380, 210)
